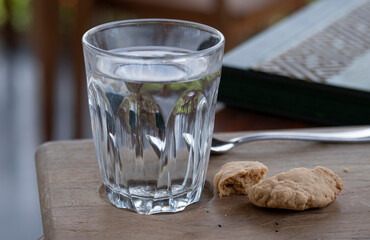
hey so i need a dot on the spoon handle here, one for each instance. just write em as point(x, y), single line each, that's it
point(361, 135)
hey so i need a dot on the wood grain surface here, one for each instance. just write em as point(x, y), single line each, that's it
point(74, 205)
point(249, 120)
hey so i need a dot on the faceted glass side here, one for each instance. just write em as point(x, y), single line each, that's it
point(154, 140)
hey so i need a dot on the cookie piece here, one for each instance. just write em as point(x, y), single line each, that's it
point(238, 177)
point(298, 189)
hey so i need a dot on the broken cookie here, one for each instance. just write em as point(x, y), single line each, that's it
point(298, 189)
point(238, 177)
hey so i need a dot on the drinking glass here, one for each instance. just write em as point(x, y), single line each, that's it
point(152, 88)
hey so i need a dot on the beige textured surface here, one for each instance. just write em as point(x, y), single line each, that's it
point(237, 177)
point(298, 189)
point(74, 205)
point(307, 60)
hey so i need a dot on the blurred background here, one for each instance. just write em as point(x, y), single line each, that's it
point(42, 85)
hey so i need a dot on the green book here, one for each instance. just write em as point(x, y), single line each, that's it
point(314, 65)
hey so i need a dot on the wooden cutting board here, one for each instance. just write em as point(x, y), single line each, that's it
point(74, 205)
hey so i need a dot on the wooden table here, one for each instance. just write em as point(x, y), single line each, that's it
point(231, 119)
point(74, 204)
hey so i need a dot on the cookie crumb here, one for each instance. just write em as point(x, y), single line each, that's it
point(346, 170)
point(276, 230)
point(276, 223)
point(207, 211)
point(219, 225)
point(225, 215)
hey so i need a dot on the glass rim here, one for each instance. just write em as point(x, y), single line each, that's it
point(108, 25)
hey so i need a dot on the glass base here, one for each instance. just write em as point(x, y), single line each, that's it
point(149, 206)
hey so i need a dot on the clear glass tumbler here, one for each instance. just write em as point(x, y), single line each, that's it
point(152, 87)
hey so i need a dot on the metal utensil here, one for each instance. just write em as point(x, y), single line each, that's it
point(222, 146)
